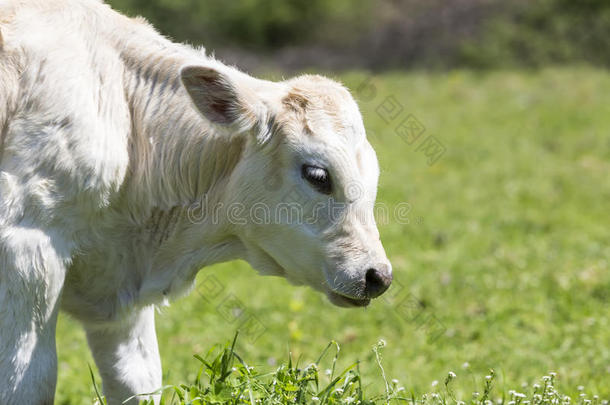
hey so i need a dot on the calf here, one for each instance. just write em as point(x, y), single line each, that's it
point(128, 163)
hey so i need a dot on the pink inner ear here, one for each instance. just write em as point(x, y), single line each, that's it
point(221, 108)
point(212, 94)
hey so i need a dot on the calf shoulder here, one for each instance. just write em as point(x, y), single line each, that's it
point(64, 120)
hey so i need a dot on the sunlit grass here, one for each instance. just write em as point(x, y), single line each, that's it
point(224, 377)
point(503, 264)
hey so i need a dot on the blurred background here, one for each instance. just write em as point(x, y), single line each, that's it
point(379, 35)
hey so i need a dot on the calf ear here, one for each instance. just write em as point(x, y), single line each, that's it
point(214, 94)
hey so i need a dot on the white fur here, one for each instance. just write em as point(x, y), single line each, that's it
point(110, 137)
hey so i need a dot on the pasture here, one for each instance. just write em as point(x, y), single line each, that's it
point(500, 247)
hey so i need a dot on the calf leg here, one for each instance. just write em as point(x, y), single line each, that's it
point(127, 356)
point(32, 270)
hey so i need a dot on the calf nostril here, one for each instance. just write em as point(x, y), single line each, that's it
point(377, 282)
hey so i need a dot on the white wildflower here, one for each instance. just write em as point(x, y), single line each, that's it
point(451, 374)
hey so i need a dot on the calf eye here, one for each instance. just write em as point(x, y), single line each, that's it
point(318, 177)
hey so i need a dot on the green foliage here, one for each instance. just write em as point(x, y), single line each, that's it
point(535, 34)
point(387, 34)
point(251, 24)
point(227, 379)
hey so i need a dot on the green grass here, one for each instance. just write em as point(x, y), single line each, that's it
point(225, 378)
point(503, 264)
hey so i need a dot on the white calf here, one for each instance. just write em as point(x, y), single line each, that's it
point(128, 163)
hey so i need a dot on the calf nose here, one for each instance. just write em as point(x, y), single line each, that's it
point(377, 280)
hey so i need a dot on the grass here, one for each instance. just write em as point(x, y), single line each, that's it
point(225, 378)
point(502, 265)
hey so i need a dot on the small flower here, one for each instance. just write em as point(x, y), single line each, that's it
point(315, 399)
point(536, 386)
point(399, 389)
point(394, 381)
point(465, 365)
point(451, 375)
point(580, 388)
point(488, 377)
point(553, 374)
point(328, 371)
point(434, 383)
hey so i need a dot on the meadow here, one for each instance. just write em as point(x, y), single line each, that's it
point(495, 188)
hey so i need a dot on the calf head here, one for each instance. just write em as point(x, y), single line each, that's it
point(306, 180)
